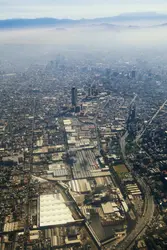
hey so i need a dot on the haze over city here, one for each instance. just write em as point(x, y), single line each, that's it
point(83, 124)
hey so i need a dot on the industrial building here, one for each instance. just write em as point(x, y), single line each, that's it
point(53, 210)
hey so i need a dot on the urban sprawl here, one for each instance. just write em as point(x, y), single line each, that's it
point(83, 155)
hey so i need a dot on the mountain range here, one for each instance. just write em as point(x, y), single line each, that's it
point(110, 21)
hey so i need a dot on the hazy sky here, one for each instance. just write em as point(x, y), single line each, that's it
point(76, 8)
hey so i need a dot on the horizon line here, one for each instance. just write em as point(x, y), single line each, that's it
point(83, 18)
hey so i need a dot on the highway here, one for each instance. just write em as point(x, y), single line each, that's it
point(148, 212)
point(133, 100)
point(141, 225)
point(151, 120)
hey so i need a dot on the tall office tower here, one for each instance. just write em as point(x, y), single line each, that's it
point(133, 73)
point(74, 96)
point(132, 113)
point(93, 90)
point(89, 91)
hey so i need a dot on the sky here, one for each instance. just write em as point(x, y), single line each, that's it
point(77, 9)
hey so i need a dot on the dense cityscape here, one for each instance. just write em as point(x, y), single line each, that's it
point(83, 154)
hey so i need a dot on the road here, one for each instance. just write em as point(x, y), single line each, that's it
point(146, 219)
point(133, 100)
point(149, 123)
point(141, 225)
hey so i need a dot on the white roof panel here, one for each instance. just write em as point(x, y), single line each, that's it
point(53, 210)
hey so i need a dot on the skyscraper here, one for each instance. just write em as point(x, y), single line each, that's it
point(89, 91)
point(133, 73)
point(74, 96)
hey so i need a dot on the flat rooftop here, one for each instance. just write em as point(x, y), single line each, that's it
point(53, 210)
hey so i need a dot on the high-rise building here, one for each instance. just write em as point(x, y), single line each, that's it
point(74, 96)
point(132, 113)
point(89, 91)
point(133, 73)
point(94, 90)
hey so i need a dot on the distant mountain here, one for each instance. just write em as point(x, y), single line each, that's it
point(60, 23)
point(133, 17)
point(38, 22)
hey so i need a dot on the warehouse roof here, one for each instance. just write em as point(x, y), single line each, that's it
point(53, 210)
